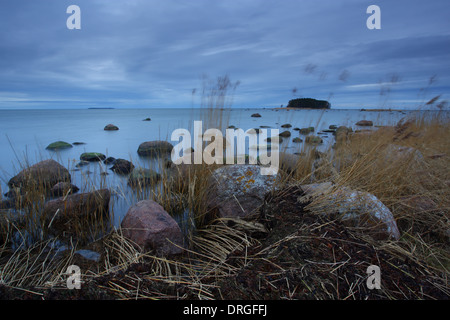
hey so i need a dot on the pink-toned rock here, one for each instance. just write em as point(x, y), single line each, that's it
point(149, 226)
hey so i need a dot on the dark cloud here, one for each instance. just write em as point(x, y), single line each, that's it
point(141, 53)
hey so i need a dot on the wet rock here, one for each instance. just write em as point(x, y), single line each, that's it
point(122, 166)
point(297, 140)
point(313, 140)
point(285, 134)
point(154, 148)
point(45, 174)
point(256, 115)
point(82, 163)
point(364, 123)
point(77, 143)
point(305, 131)
point(237, 190)
point(58, 145)
point(109, 160)
point(287, 125)
point(63, 188)
point(111, 127)
point(92, 156)
point(149, 226)
point(147, 119)
point(141, 177)
point(67, 214)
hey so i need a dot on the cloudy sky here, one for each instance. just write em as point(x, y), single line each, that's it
point(154, 53)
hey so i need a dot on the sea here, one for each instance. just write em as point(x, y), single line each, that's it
point(25, 134)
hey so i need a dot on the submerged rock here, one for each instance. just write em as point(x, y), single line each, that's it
point(364, 123)
point(59, 145)
point(92, 156)
point(141, 177)
point(313, 140)
point(149, 226)
point(285, 134)
point(42, 174)
point(256, 115)
point(237, 190)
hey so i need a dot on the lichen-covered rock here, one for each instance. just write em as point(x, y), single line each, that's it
point(237, 190)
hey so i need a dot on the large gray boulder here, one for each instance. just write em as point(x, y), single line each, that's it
point(357, 209)
point(149, 226)
point(237, 190)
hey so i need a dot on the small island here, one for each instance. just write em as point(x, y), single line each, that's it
point(308, 103)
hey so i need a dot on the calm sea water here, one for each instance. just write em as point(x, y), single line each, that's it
point(24, 135)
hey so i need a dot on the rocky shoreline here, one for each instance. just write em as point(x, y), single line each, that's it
point(308, 218)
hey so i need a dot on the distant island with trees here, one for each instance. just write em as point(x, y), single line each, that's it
point(308, 103)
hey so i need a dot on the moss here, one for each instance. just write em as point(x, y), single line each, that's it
point(92, 156)
point(58, 145)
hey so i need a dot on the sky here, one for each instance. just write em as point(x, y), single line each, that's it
point(158, 53)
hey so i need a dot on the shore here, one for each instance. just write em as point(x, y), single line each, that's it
point(310, 232)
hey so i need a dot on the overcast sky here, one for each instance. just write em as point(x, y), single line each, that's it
point(141, 53)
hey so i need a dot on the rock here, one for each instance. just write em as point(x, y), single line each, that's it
point(109, 160)
point(58, 145)
point(122, 166)
point(89, 254)
point(256, 115)
point(279, 140)
point(297, 140)
point(66, 215)
point(154, 148)
point(305, 131)
point(288, 161)
point(365, 123)
point(396, 152)
point(333, 127)
point(357, 209)
point(147, 119)
point(77, 143)
point(45, 173)
point(63, 188)
point(237, 191)
point(287, 125)
point(149, 226)
point(82, 163)
point(141, 177)
point(313, 140)
point(92, 156)
point(285, 134)
point(110, 127)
